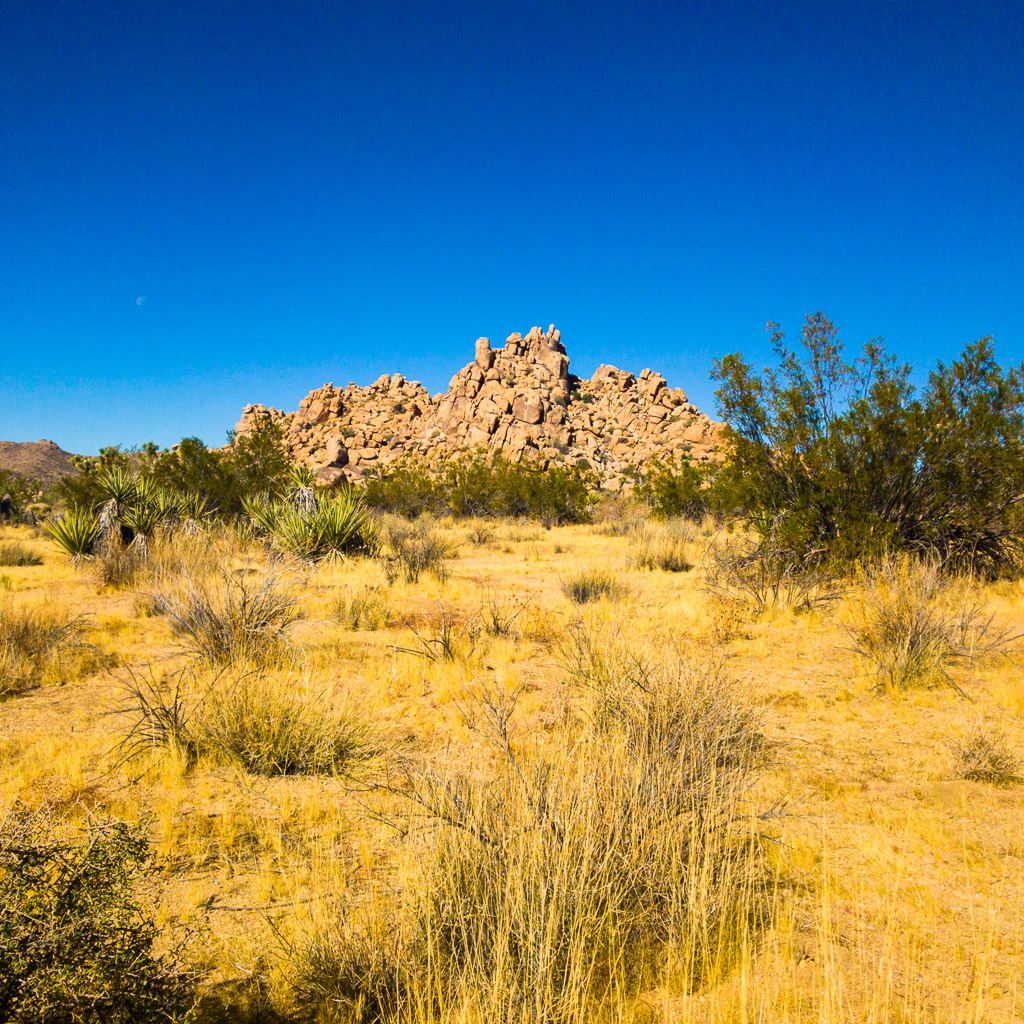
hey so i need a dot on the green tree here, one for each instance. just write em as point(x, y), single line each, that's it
point(846, 459)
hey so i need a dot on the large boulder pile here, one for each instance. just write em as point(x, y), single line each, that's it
point(519, 400)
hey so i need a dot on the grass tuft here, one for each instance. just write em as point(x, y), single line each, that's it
point(247, 618)
point(14, 553)
point(986, 755)
point(592, 584)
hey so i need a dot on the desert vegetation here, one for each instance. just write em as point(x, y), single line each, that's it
point(487, 743)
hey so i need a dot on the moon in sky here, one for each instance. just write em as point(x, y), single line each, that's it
point(140, 300)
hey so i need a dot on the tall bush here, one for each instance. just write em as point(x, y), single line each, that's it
point(850, 459)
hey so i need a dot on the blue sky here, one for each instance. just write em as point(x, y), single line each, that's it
point(310, 192)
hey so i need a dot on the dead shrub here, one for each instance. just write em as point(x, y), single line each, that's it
point(910, 624)
point(40, 645)
point(247, 617)
point(766, 574)
point(15, 554)
point(985, 754)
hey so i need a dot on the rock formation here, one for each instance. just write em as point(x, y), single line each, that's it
point(519, 400)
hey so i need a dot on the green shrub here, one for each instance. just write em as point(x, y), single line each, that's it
point(477, 485)
point(76, 938)
point(675, 489)
point(849, 459)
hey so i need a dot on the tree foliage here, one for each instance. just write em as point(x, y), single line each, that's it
point(850, 459)
point(473, 484)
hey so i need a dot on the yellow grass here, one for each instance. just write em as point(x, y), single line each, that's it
point(896, 891)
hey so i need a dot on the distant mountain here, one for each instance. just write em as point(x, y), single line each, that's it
point(37, 460)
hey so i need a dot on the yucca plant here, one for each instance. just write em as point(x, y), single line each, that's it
point(143, 518)
point(332, 526)
point(75, 532)
point(193, 509)
point(262, 510)
point(120, 487)
point(303, 488)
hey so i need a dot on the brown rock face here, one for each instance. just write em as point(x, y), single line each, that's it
point(519, 400)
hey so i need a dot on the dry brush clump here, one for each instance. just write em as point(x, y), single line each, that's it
point(15, 554)
point(263, 722)
point(576, 873)
point(244, 616)
point(663, 546)
point(593, 583)
point(764, 573)
point(410, 550)
point(911, 623)
point(985, 754)
point(40, 645)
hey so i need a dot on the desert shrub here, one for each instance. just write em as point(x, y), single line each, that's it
point(986, 755)
point(76, 938)
point(365, 608)
point(267, 724)
point(119, 565)
point(14, 553)
point(575, 876)
point(500, 614)
point(910, 625)
point(475, 485)
point(279, 726)
point(222, 478)
point(665, 548)
point(765, 574)
point(358, 974)
point(848, 458)
point(592, 584)
point(447, 636)
point(410, 551)
point(17, 492)
point(75, 532)
point(675, 489)
point(39, 645)
point(245, 617)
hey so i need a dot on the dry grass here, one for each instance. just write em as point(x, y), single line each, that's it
point(911, 623)
point(554, 871)
point(17, 554)
point(245, 617)
point(592, 584)
point(40, 645)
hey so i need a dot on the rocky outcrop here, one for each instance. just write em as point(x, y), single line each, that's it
point(520, 400)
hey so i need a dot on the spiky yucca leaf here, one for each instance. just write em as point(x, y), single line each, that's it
point(143, 518)
point(75, 532)
point(120, 486)
point(262, 511)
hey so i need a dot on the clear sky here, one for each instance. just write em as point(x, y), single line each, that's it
point(204, 204)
